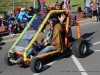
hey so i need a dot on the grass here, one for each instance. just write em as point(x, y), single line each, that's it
point(76, 3)
point(6, 4)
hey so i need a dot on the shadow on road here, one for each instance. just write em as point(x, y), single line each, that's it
point(1, 71)
point(0, 48)
point(90, 53)
point(87, 35)
point(48, 62)
point(4, 33)
point(46, 67)
point(1, 43)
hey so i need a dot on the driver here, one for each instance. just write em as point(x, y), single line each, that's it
point(52, 38)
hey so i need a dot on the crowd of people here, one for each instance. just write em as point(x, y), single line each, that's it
point(18, 21)
point(23, 15)
point(53, 29)
point(92, 6)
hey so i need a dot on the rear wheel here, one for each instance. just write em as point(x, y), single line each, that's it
point(7, 60)
point(80, 48)
point(36, 65)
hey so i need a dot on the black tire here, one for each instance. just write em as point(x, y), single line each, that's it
point(7, 61)
point(33, 65)
point(80, 48)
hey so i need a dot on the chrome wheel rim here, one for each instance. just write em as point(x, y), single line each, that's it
point(38, 65)
point(83, 48)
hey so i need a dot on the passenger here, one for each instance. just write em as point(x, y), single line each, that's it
point(52, 38)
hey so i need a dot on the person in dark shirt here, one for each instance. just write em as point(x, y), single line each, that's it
point(39, 6)
point(31, 12)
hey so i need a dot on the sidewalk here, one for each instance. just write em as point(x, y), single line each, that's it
point(5, 35)
point(3, 32)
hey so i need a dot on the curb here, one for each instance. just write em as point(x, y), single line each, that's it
point(85, 21)
point(15, 36)
point(10, 37)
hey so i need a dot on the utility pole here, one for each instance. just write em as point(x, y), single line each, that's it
point(34, 4)
point(13, 7)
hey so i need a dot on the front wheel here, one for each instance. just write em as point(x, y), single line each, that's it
point(7, 60)
point(36, 65)
point(80, 48)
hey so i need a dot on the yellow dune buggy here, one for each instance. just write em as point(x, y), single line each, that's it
point(20, 54)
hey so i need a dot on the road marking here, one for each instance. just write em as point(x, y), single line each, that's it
point(9, 40)
point(36, 73)
point(81, 69)
point(96, 43)
point(96, 50)
point(93, 44)
point(49, 64)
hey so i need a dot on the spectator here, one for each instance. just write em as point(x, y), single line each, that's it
point(98, 2)
point(3, 23)
point(26, 10)
point(31, 12)
point(87, 8)
point(59, 5)
point(39, 6)
point(16, 11)
point(10, 18)
point(80, 13)
point(1, 17)
point(91, 8)
point(84, 3)
point(11, 21)
point(42, 3)
point(9, 15)
point(67, 5)
point(49, 7)
point(23, 17)
point(94, 8)
point(45, 9)
point(42, 13)
point(1, 20)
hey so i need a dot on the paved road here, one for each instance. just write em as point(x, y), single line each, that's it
point(68, 65)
